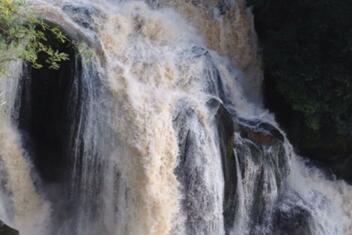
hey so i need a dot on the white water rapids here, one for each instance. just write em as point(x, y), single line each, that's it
point(146, 147)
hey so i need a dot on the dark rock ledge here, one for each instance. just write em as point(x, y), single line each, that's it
point(6, 230)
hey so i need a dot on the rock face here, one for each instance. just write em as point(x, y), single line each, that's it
point(248, 142)
point(294, 221)
point(226, 130)
point(44, 114)
point(6, 230)
point(260, 132)
point(83, 15)
point(307, 75)
point(244, 146)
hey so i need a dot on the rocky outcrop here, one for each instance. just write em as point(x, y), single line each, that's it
point(291, 217)
point(6, 230)
point(263, 167)
point(259, 132)
point(249, 141)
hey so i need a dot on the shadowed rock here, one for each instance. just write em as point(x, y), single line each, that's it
point(6, 230)
point(291, 217)
point(260, 132)
point(225, 126)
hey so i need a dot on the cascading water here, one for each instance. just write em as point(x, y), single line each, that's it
point(155, 135)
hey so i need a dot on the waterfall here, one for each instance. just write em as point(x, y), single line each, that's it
point(161, 132)
point(21, 204)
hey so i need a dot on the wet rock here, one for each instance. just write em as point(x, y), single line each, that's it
point(199, 51)
point(6, 230)
point(83, 15)
point(226, 130)
point(292, 218)
point(260, 132)
point(190, 168)
point(294, 222)
point(251, 148)
point(224, 6)
point(257, 136)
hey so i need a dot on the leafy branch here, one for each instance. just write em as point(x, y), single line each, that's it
point(22, 36)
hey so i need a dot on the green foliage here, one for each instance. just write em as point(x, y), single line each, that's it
point(84, 51)
point(307, 55)
point(22, 36)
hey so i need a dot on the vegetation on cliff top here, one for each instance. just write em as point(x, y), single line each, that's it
point(23, 36)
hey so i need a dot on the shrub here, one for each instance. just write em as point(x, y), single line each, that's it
point(22, 36)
